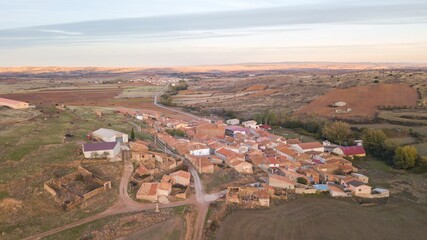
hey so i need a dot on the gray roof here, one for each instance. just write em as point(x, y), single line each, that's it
point(107, 133)
point(101, 146)
point(355, 183)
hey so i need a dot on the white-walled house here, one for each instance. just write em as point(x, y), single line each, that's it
point(308, 147)
point(109, 135)
point(101, 149)
point(233, 121)
point(250, 124)
point(199, 150)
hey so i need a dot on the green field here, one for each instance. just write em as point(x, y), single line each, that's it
point(139, 92)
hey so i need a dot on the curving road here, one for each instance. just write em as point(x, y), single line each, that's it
point(125, 204)
point(168, 108)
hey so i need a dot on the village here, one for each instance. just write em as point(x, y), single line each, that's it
point(270, 165)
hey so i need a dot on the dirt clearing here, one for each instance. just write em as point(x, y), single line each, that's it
point(326, 218)
point(362, 100)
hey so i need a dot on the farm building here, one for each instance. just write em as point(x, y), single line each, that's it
point(109, 135)
point(307, 147)
point(233, 121)
point(351, 151)
point(13, 104)
point(358, 188)
point(102, 149)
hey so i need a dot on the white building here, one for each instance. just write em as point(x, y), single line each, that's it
point(233, 121)
point(307, 147)
point(250, 124)
point(109, 135)
point(101, 149)
point(199, 150)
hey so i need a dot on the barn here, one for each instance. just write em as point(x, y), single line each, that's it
point(109, 135)
point(13, 104)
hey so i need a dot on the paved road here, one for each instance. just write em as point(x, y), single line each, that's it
point(202, 199)
point(168, 108)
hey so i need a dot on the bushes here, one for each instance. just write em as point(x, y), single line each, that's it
point(302, 180)
point(405, 157)
point(176, 132)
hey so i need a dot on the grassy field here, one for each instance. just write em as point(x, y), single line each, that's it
point(405, 117)
point(139, 92)
point(142, 225)
point(327, 218)
point(33, 152)
point(290, 134)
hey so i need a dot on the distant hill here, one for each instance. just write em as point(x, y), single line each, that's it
point(213, 68)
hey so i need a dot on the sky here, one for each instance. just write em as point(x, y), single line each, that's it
point(161, 33)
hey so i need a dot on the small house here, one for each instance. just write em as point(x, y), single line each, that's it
point(278, 181)
point(101, 149)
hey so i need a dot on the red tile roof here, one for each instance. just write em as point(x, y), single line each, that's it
point(310, 145)
point(353, 150)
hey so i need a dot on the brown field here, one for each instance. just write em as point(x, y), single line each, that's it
point(64, 96)
point(363, 100)
point(100, 97)
point(327, 218)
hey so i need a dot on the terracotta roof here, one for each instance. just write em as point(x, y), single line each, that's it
point(293, 141)
point(181, 173)
point(286, 150)
point(9, 101)
point(310, 145)
point(142, 170)
point(148, 189)
point(353, 150)
point(335, 188)
point(227, 153)
point(281, 178)
point(164, 186)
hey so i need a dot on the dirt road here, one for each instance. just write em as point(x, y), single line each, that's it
point(125, 204)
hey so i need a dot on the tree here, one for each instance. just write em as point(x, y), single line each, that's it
point(405, 157)
point(337, 131)
point(105, 154)
point(374, 141)
point(302, 180)
point(132, 135)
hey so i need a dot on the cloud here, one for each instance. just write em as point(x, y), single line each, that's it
point(216, 24)
point(61, 32)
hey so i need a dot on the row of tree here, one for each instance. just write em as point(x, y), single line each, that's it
point(375, 141)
